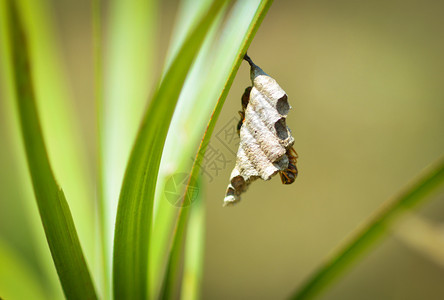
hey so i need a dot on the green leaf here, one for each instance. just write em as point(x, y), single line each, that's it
point(372, 231)
point(54, 211)
point(134, 213)
point(127, 82)
point(14, 156)
point(104, 278)
point(175, 159)
point(59, 120)
point(189, 13)
point(254, 25)
point(194, 251)
point(241, 46)
point(173, 264)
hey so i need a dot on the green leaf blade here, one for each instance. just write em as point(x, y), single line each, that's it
point(54, 211)
point(194, 252)
point(254, 26)
point(128, 63)
point(172, 272)
point(134, 213)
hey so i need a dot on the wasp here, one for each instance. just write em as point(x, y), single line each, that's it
point(288, 176)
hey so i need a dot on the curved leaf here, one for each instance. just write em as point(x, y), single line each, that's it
point(59, 120)
point(54, 211)
point(128, 64)
point(254, 25)
point(134, 213)
point(190, 105)
point(194, 251)
point(172, 271)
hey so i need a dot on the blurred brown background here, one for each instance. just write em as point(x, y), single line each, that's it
point(365, 80)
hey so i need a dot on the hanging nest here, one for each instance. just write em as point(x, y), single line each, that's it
point(266, 142)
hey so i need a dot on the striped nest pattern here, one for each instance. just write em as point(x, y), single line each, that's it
point(265, 139)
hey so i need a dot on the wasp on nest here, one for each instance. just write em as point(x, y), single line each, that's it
point(266, 144)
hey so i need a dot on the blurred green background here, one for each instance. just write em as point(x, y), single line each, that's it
point(365, 80)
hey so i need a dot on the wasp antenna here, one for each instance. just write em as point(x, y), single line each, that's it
point(248, 59)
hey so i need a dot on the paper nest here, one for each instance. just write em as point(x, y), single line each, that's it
point(264, 136)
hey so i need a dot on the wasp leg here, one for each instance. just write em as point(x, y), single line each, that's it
point(288, 176)
point(292, 154)
point(284, 177)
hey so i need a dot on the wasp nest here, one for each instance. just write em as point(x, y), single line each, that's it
point(265, 147)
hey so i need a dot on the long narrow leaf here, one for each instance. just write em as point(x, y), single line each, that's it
point(173, 157)
point(172, 271)
point(194, 251)
point(127, 80)
point(104, 280)
point(189, 13)
point(372, 231)
point(59, 120)
point(134, 214)
point(181, 221)
point(19, 180)
point(54, 211)
point(255, 23)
